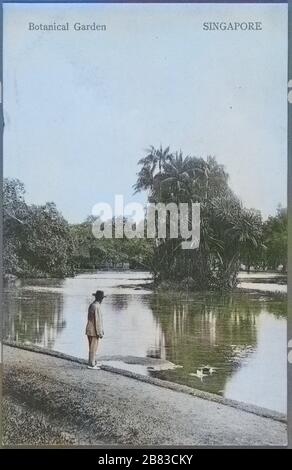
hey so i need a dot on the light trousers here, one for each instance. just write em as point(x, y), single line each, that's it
point(93, 345)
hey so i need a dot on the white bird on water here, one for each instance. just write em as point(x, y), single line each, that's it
point(200, 374)
point(204, 371)
point(209, 369)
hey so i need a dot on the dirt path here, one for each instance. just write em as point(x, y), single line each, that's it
point(48, 400)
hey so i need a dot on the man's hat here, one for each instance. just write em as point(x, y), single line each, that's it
point(99, 294)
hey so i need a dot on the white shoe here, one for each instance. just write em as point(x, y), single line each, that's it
point(96, 367)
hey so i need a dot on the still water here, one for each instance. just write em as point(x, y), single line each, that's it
point(242, 336)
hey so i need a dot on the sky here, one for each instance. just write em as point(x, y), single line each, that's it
point(80, 108)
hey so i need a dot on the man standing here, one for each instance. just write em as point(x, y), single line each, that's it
point(94, 328)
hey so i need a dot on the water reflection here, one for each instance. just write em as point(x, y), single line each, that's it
point(207, 330)
point(118, 302)
point(39, 321)
point(241, 335)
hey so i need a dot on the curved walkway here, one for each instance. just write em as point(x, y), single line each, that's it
point(51, 400)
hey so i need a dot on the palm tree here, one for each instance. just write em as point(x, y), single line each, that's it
point(177, 177)
point(226, 229)
point(239, 231)
point(151, 169)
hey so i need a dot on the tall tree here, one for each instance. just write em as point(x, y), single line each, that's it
point(151, 168)
point(226, 227)
point(276, 240)
point(37, 240)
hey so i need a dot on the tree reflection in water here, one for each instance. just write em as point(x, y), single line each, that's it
point(38, 322)
point(118, 302)
point(220, 331)
point(227, 332)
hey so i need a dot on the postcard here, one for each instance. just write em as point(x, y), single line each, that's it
point(145, 226)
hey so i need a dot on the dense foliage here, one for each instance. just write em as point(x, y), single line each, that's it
point(275, 239)
point(39, 242)
point(37, 239)
point(229, 232)
point(91, 253)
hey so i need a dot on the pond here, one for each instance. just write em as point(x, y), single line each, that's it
point(241, 335)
